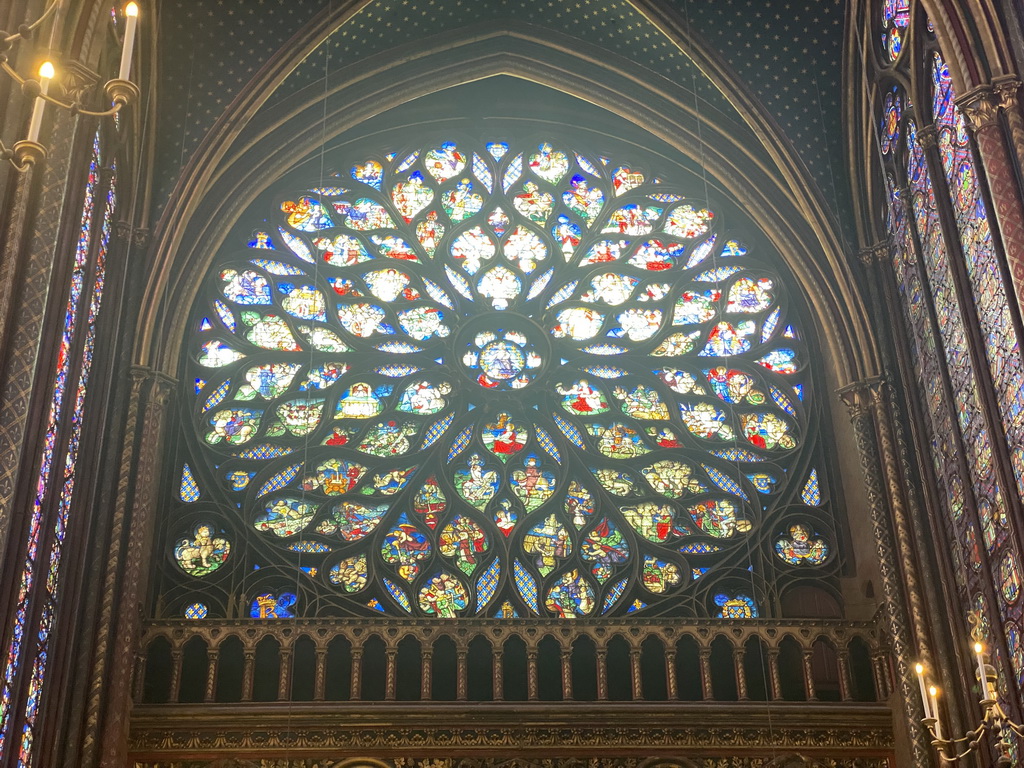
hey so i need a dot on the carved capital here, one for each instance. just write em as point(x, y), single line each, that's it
point(875, 254)
point(981, 108)
point(860, 396)
point(928, 137)
point(78, 81)
point(1006, 89)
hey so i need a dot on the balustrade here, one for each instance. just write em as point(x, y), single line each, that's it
point(496, 660)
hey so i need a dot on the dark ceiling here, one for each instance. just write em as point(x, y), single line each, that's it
point(788, 52)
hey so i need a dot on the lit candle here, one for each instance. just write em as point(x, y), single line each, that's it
point(979, 652)
point(924, 691)
point(46, 73)
point(934, 693)
point(131, 13)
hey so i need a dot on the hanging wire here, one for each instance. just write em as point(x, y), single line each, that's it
point(736, 425)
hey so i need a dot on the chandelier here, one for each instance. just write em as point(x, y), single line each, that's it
point(117, 92)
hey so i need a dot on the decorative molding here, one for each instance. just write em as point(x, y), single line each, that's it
point(783, 761)
point(540, 730)
point(859, 396)
point(77, 81)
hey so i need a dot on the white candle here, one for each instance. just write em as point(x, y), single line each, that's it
point(924, 690)
point(979, 652)
point(934, 693)
point(46, 73)
point(131, 13)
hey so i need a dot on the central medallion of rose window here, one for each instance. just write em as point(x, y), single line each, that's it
point(505, 358)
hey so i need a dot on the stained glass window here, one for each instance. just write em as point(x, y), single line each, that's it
point(28, 648)
point(946, 286)
point(492, 379)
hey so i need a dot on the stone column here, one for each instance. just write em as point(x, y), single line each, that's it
point(859, 398)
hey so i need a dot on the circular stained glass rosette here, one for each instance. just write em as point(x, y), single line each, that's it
point(497, 380)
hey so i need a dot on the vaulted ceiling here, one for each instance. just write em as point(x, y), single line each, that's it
point(787, 52)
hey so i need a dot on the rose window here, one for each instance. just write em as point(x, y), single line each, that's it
point(493, 380)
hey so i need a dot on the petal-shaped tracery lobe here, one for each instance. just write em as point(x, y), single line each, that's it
point(496, 380)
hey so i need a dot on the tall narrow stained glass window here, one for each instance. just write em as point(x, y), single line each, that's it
point(939, 310)
point(495, 379)
point(28, 644)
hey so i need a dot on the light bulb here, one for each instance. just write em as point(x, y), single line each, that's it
point(132, 9)
point(919, 668)
point(978, 648)
point(46, 71)
point(933, 691)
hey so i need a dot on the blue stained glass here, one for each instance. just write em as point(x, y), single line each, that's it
point(563, 293)
point(459, 282)
point(398, 348)
point(699, 548)
point(613, 595)
point(604, 371)
point(276, 268)
point(261, 240)
point(717, 274)
point(781, 400)
point(539, 285)
point(737, 606)
point(811, 494)
point(725, 482)
point(487, 584)
point(512, 173)
point(548, 444)
point(586, 165)
point(218, 394)
point(279, 480)
point(397, 371)
point(498, 149)
point(604, 349)
point(482, 172)
point(436, 431)
point(737, 454)
point(196, 611)
point(459, 443)
point(265, 451)
point(768, 327)
point(437, 293)
point(398, 593)
point(408, 162)
point(569, 431)
point(526, 585)
point(189, 489)
point(638, 605)
point(375, 604)
point(225, 314)
point(270, 606)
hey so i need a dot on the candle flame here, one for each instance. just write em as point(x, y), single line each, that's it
point(132, 9)
point(933, 691)
point(919, 668)
point(47, 71)
point(978, 648)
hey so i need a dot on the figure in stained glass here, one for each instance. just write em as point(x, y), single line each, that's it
point(476, 484)
point(570, 597)
point(548, 542)
point(801, 546)
point(504, 437)
point(443, 596)
point(532, 484)
point(360, 401)
point(464, 541)
point(404, 546)
point(202, 553)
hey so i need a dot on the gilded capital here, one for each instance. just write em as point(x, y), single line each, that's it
point(860, 396)
point(980, 106)
point(927, 137)
point(1006, 89)
point(875, 254)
